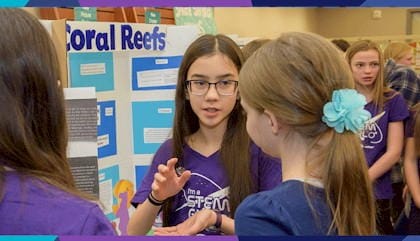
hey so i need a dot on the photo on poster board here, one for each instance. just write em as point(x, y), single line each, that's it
point(108, 178)
point(152, 124)
point(152, 73)
point(92, 69)
point(82, 152)
point(107, 141)
point(85, 174)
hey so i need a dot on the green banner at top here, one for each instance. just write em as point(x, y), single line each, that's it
point(203, 17)
point(152, 17)
point(84, 14)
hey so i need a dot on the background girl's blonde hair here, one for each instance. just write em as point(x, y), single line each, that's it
point(396, 51)
point(294, 76)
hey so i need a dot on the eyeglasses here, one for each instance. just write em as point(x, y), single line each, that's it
point(223, 87)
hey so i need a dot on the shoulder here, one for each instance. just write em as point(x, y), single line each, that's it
point(283, 210)
point(276, 202)
point(164, 151)
point(263, 213)
point(34, 200)
point(265, 168)
point(166, 146)
point(396, 104)
point(270, 212)
point(395, 98)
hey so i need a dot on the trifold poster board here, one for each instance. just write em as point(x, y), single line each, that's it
point(133, 68)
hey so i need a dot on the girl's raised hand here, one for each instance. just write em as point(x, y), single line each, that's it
point(166, 182)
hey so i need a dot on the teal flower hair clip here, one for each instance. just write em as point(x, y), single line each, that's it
point(346, 111)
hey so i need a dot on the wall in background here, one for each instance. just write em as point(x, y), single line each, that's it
point(354, 22)
point(34, 11)
point(329, 22)
point(265, 22)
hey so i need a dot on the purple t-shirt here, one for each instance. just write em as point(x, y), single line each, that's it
point(208, 185)
point(375, 134)
point(31, 206)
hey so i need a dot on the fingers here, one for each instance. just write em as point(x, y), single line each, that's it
point(169, 168)
point(171, 163)
point(159, 177)
point(185, 176)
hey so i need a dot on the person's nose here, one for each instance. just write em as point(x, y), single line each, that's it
point(212, 92)
point(368, 69)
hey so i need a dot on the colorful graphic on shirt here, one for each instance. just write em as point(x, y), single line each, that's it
point(372, 133)
point(197, 198)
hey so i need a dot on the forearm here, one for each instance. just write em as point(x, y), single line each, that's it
point(142, 219)
point(411, 171)
point(383, 164)
point(394, 146)
point(228, 225)
point(413, 183)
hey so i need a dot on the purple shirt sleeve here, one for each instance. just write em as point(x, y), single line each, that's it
point(398, 109)
point(265, 169)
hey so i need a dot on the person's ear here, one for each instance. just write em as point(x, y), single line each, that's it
point(187, 95)
point(273, 121)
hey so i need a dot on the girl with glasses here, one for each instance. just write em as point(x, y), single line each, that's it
point(198, 178)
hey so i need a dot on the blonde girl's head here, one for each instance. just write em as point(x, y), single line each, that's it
point(400, 52)
point(380, 86)
point(293, 77)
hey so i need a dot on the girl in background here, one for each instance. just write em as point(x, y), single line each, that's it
point(301, 107)
point(402, 78)
point(412, 169)
point(199, 177)
point(383, 135)
point(401, 53)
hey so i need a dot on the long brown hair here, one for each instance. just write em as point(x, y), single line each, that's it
point(294, 76)
point(235, 140)
point(380, 88)
point(32, 121)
